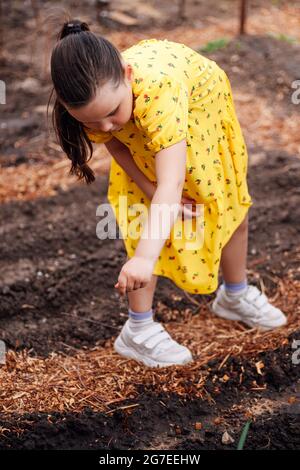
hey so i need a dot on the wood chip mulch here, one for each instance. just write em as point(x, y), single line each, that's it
point(100, 378)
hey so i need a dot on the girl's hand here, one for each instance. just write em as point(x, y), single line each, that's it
point(135, 274)
point(186, 212)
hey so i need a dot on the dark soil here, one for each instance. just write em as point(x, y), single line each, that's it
point(172, 420)
point(57, 294)
point(57, 277)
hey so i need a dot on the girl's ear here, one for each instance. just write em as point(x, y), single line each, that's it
point(128, 72)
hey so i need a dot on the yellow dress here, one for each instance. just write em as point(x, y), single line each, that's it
point(178, 93)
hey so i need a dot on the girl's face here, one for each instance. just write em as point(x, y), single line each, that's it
point(110, 109)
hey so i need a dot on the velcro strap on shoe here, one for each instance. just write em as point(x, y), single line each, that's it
point(253, 295)
point(147, 333)
point(261, 301)
point(155, 340)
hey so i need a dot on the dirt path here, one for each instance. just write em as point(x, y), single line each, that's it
point(57, 296)
point(57, 278)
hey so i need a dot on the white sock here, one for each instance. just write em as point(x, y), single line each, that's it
point(236, 290)
point(140, 321)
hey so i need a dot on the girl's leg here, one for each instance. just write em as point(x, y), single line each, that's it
point(237, 300)
point(234, 255)
point(141, 300)
point(143, 339)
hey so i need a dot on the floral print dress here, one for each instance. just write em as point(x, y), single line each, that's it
point(180, 94)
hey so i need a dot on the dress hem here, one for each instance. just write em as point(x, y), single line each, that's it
point(200, 291)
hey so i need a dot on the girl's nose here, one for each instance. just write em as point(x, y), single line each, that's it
point(106, 128)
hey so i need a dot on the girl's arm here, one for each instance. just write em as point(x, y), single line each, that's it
point(168, 193)
point(124, 158)
point(137, 271)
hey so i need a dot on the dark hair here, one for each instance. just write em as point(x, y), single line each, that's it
point(80, 62)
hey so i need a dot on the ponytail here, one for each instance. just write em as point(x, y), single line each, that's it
point(80, 62)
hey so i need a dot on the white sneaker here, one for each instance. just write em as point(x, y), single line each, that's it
point(251, 308)
point(153, 346)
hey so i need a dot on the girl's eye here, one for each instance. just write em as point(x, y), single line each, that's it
point(111, 114)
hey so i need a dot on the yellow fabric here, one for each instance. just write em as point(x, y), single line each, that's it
point(98, 137)
point(179, 94)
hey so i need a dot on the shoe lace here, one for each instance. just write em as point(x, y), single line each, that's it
point(153, 336)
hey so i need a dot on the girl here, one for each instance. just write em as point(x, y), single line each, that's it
point(166, 115)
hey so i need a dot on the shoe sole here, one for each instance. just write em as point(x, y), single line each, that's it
point(121, 348)
point(223, 313)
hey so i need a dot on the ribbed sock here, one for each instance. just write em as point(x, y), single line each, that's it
point(139, 321)
point(235, 289)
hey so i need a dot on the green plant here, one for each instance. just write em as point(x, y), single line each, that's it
point(212, 46)
point(243, 436)
point(282, 37)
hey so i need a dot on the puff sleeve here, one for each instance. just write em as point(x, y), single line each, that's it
point(161, 112)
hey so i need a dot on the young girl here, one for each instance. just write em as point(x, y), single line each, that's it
point(166, 115)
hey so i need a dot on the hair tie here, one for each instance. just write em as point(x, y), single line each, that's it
point(74, 28)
